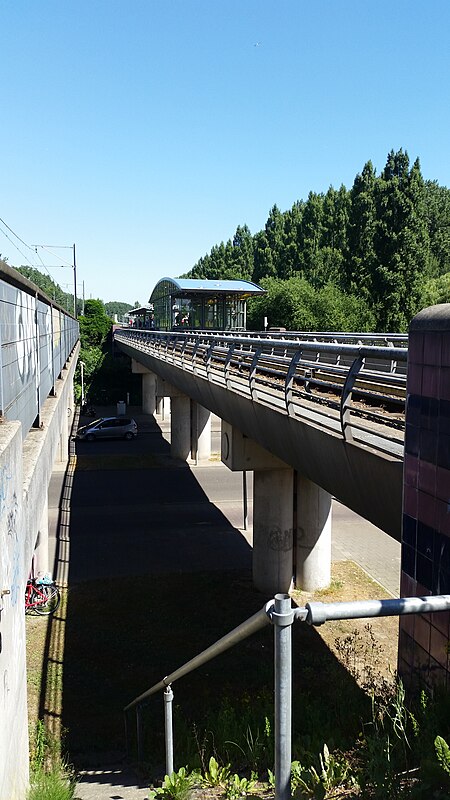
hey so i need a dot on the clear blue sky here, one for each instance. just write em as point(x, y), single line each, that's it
point(145, 131)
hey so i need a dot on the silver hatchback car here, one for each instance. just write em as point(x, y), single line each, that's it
point(108, 428)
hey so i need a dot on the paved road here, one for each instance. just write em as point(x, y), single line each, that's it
point(131, 509)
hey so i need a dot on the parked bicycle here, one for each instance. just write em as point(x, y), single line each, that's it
point(41, 596)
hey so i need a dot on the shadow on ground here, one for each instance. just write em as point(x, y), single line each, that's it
point(156, 574)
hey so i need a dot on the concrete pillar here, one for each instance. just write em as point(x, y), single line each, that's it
point(148, 386)
point(201, 433)
point(273, 530)
point(41, 557)
point(273, 509)
point(425, 568)
point(149, 393)
point(160, 406)
point(313, 550)
point(180, 429)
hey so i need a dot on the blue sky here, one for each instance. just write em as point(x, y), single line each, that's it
point(146, 131)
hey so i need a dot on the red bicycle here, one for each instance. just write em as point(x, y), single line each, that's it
point(41, 596)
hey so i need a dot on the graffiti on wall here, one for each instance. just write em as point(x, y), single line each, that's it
point(26, 336)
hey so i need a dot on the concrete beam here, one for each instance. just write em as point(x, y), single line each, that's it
point(240, 453)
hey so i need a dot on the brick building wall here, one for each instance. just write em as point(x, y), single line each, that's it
point(424, 639)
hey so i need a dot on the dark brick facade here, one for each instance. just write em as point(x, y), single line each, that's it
point(424, 639)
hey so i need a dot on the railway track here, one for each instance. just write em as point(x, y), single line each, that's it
point(355, 387)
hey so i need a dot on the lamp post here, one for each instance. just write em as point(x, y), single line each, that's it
point(82, 366)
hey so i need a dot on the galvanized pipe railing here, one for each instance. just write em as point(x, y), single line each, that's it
point(282, 615)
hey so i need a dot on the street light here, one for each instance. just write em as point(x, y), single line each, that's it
point(82, 366)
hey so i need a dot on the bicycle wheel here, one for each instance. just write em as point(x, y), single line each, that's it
point(47, 599)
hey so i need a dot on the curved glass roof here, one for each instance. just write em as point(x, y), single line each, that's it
point(214, 286)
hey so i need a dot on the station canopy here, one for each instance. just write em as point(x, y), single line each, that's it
point(191, 303)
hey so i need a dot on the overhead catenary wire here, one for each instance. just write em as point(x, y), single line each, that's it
point(14, 244)
point(30, 247)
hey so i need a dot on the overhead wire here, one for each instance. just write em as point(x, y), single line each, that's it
point(30, 247)
point(14, 244)
point(64, 247)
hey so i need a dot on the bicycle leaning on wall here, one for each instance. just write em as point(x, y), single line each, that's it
point(41, 596)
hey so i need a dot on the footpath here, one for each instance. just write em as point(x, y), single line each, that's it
point(352, 539)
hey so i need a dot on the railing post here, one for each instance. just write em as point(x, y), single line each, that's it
point(282, 617)
point(139, 733)
point(127, 739)
point(168, 698)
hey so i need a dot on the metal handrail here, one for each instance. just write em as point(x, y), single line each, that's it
point(238, 634)
point(280, 613)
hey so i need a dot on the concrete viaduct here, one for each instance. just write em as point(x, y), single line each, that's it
point(302, 453)
point(298, 464)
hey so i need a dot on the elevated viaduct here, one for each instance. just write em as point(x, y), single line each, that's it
point(319, 418)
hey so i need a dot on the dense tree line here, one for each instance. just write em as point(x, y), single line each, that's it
point(363, 258)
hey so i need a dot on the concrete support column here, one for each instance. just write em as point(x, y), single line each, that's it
point(160, 406)
point(273, 530)
point(201, 433)
point(273, 508)
point(40, 558)
point(180, 429)
point(148, 386)
point(149, 393)
point(313, 551)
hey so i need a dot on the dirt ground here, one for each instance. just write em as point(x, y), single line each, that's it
point(364, 646)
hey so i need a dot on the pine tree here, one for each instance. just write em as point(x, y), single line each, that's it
point(401, 243)
point(361, 257)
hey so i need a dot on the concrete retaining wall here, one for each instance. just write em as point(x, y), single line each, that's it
point(25, 471)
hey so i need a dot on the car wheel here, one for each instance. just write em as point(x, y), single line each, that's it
point(128, 435)
point(90, 437)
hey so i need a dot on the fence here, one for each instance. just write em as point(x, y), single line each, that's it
point(280, 613)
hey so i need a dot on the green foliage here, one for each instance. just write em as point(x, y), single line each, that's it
point(215, 775)
point(378, 243)
point(257, 747)
point(55, 785)
point(94, 324)
point(176, 786)
point(49, 287)
point(239, 787)
point(117, 308)
point(294, 304)
point(387, 745)
point(50, 776)
point(442, 753)
point(332, 772)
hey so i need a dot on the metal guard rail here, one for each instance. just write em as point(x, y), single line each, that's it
point(280, 613)
point(356, 391)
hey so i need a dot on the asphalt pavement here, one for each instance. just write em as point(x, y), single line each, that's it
point(129, 508)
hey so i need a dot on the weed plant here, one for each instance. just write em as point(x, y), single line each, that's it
point(50, 776)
